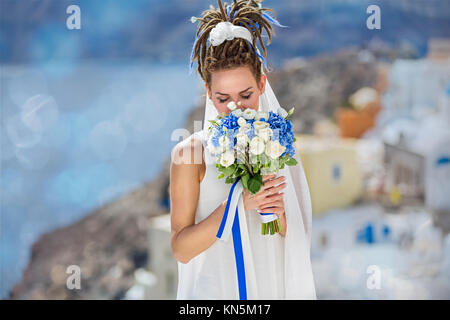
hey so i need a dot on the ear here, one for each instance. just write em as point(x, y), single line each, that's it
point(262, 83)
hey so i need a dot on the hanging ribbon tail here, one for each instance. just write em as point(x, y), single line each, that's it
point(192, 54)
point(230, 225)
point(273, 20)
point(230, 210)
point(262, 59)
point(258, 54)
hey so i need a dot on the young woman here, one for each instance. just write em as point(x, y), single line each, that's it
point(276, 266)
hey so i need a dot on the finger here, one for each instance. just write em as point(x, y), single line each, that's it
point(276, 203)
point(268, 177)
point(273, 197)
point(274, 182)
point(276, 210)
point(263, 200)
point(274, 190)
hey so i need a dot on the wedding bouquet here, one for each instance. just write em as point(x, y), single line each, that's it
point(248, 144)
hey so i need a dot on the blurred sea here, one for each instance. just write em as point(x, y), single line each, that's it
point(74, 137)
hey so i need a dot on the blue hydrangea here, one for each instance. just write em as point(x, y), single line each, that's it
point(282, 131)
point(230, 122)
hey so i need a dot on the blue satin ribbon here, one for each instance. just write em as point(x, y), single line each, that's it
point(237, 243)
point(192, 52)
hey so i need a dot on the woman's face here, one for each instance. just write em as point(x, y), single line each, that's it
point(236, 85)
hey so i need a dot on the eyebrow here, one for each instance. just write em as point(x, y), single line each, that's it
point(225, 94)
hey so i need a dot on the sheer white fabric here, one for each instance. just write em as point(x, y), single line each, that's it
point(276, 267)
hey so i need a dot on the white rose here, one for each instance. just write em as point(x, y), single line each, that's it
point(274, 149)
point(249, 114)
point(227, 158)
point(264, 115)
point(237, 113)
point(219, 122)
point(265, 133)
point(246, 128)
point(242, 122)
point(282, 112)
point(231, 105)
point(242, 139)
point(257, 145)
point(260, 125)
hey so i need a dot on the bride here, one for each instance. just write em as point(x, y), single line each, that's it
point(275, 266)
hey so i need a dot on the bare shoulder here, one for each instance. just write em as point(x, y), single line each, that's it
point(189, 151)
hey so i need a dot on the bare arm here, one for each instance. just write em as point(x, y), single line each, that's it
point(189, 239)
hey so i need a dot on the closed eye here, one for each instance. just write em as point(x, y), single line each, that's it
point(244, 97)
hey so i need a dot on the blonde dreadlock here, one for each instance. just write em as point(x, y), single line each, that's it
point(236, 52)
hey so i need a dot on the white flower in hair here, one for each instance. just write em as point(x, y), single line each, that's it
point(225, 30)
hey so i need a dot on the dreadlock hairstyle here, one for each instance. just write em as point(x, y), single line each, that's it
point(236, 52)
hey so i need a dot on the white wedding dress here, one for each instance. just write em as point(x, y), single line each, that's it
point(276, 267)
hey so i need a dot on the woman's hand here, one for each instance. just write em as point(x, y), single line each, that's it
point(267, 196)
point(269, 199)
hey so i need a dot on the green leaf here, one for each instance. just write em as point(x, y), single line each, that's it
point(255, 183)
point(291, 162)
point(228, 171)
point(221, 176)
point(295, 139)
point(290, 112)
point(230, 180)
point(245, 179)
point(274, 165)
point(214, 123)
